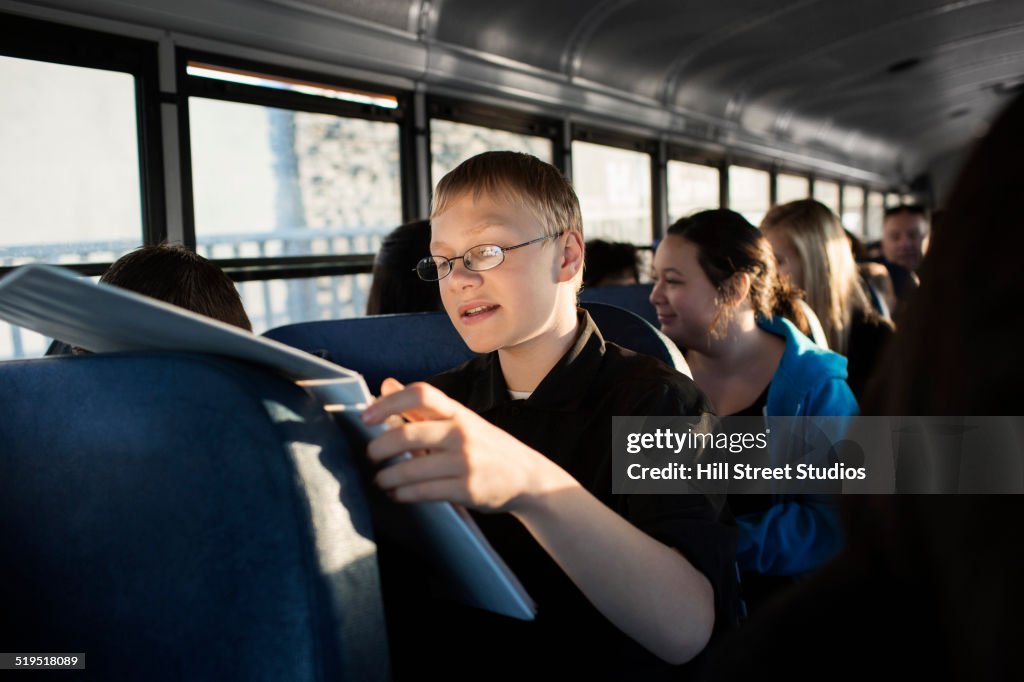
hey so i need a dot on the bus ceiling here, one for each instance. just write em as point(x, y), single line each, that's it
point(890, 88)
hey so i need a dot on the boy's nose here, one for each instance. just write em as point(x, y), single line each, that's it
point(461, 276)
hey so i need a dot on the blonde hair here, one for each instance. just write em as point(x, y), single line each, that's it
point(521, 180)
point(831, 279)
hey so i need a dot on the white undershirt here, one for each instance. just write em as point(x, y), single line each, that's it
point(520, 395)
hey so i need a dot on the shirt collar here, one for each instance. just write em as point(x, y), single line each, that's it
point(563, 388)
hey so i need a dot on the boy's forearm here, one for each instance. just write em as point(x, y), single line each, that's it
point(645, 588)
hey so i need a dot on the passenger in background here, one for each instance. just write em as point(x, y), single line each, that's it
point(928, 586)
point(395, 287)
point(905, 236)
point(175, 275)
point(812, 249)
point(610, 264)
point(719, 297)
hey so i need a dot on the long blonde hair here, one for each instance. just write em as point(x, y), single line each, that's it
point(831, 280)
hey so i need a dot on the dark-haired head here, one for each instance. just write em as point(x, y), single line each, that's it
point(610, 263)
point(395, 287)
point(728, 245)
point(174, 274)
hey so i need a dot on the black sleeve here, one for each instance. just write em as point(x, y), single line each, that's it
point(697, 526)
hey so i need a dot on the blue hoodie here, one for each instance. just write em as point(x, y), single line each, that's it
point(797, 534)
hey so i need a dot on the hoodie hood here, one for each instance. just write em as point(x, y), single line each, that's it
point(807, 380)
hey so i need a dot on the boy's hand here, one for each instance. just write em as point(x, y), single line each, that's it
point(460, 457)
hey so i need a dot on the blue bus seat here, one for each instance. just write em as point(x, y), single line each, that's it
point(179, 516)
point(414, 346)
point(635, 298)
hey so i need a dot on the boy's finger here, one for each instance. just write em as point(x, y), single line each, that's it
point(420, 469)
point(390, 385)
point(440, 489)
point(427, 435)
point(421, 400)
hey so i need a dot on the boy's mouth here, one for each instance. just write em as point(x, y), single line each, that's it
point(476, 311)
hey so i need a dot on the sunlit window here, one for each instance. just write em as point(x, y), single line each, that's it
point(749, 192)
point(827, 193)
point(691, 187)
point(614, 187)
point(69, 166)
point(853, 209)
point(288, 183)
point(451, 143)
point(791, 188)
point(875, 216)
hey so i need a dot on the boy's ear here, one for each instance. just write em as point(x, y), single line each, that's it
point(571, 262)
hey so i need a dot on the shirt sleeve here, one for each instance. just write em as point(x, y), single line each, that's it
point(791, 537)
point(692, 524)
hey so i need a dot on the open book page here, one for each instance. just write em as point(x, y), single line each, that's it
point(57, 303)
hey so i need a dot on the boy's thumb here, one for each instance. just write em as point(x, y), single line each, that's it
point(390, 385)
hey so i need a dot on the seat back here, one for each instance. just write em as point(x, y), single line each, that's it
point(178, 517)
point(635, 298)
point(409, 347)
point(412, 347)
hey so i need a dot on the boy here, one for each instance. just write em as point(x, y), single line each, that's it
point(625, 585)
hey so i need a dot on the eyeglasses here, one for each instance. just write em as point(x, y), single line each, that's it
point(479, 258)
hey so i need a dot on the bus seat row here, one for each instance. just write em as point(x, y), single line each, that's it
point(412, 347)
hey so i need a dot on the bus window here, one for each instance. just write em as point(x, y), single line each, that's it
point(452, 142)
point(853, 209)
point(275, 302)
point(791, 188)
point(303, 179)
point(749, 192)
point(614, 188)
point(692, 187)
point(70, 190)
point(827, 193)
point(875, 216)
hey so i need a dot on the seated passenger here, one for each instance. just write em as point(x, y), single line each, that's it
point(395, 287)
point(928, 586)
point(176, 275)
point(610, 264)
point(718, 296)
point(626, 585)
point(812, 249)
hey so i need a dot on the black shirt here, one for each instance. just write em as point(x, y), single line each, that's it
point(568, 419)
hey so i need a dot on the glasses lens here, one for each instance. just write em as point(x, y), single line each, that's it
point(484, 257)
point(432, 268)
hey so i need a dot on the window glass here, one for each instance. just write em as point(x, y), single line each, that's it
point(69, 166)
point(791, 188)
point(749, 192)
point(451, 143)
point(853, 209)
point(302, 180)
point(614, 187)
point(16, 342)
point(276, 302)
point(876, 216)
point(691, 187)
point(827, 193)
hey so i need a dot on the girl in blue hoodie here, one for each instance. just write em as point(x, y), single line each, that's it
point(719, 297)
